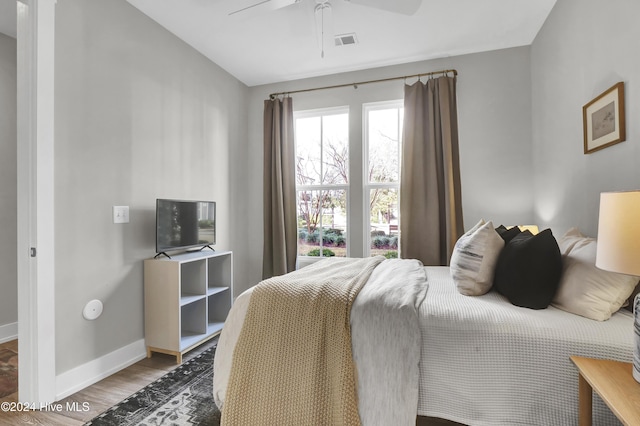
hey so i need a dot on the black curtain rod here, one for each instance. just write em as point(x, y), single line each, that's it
point(355, 85)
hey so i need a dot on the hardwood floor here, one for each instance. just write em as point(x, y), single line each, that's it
point(82, 406)
point(13, 345)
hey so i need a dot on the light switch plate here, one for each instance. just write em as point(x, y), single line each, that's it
point(120, 214)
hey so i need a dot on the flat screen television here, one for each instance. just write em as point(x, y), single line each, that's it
point(182, 224)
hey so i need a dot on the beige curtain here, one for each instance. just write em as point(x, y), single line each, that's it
point(280, 229)
point(430, 194)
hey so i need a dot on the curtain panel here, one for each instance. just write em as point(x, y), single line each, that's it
point(430, 192)
point(280, 227)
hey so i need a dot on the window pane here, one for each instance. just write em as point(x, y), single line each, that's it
point(307, 136)
point(383, 133)
point(335, 149)
point(383, 219)
point(322, 223)
point(308, 218)
point(334, 222)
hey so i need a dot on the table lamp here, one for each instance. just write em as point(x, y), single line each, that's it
point(531, 228)
point(618, 247)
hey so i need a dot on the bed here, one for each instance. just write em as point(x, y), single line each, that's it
point(473, 360)
point(487, 362)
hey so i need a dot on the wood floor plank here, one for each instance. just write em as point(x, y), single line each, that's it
point(140, 375)
point(95, 405)
point(37, 418)
point(159, 361)
point(12, 344)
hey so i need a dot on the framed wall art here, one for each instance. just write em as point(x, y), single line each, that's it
point(603, 119)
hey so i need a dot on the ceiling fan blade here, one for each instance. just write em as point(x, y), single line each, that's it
point(260, 6)
point(404, 7)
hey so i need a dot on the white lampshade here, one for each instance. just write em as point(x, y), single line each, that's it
point(618, 247)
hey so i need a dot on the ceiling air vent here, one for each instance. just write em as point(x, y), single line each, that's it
point(346, 39)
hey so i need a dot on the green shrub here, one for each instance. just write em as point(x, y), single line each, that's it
point(378, 233)
point(380, 242)
point(391, 255)
point(393, 242)
point(340, 241)
point(313, 237)
point(302, 234)
point(325, 252)
point(334, 231)
point(328, 239)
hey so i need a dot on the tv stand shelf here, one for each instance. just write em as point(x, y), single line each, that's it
point(186, 300)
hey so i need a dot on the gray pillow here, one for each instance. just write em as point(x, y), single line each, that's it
point(474, 259)
point(587, 290)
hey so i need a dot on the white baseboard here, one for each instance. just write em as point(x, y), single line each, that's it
point(8, 332)
point(87, 374)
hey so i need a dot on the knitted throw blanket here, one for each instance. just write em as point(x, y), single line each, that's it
point(292, 363)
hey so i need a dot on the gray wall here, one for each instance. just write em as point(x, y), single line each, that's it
point(8, 183)
point(584, 48)
point(139, 116)
point(494, 111)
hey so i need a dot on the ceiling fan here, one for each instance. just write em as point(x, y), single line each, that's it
point(405, 7)
point(323, 11)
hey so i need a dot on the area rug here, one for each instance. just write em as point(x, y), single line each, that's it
point(8, 372)
point(183, 396)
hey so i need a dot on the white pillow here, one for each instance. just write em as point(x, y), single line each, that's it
point(572, 237)
point(474, 259)
point(589, 291)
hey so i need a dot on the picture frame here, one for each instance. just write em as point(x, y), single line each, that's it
point(603, 119)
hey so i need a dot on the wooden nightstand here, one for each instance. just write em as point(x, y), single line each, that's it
point(612, 380)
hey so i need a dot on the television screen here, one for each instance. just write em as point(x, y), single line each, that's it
point(184, 224)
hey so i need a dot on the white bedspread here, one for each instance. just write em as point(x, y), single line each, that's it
point(487, 362)
point(385, 337)
point(483, 361)
point(383, 328)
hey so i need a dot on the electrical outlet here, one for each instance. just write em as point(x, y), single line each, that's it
point(120, 214)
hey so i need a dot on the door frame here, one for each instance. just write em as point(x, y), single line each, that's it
point(35, 204)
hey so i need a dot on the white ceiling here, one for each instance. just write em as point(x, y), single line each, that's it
point(266, 46)
point(280, 45)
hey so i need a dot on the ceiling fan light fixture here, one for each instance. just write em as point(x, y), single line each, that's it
point(403, 7)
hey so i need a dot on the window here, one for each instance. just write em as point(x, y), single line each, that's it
point(383, 136)
point(322, 181)
point(330, 198)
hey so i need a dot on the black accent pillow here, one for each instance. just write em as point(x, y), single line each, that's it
point(529, 269)
point(507, 234)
